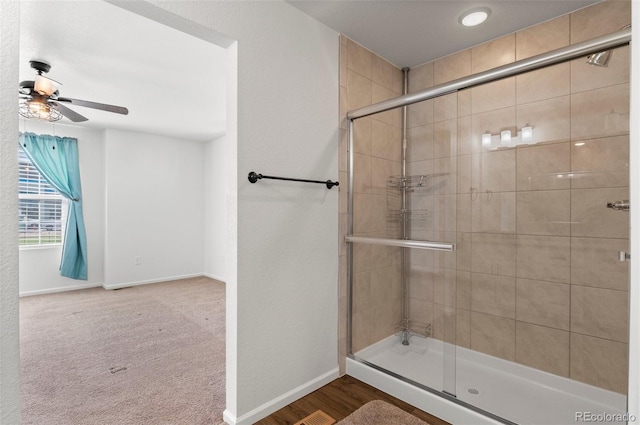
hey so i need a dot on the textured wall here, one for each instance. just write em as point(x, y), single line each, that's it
point(9, 350)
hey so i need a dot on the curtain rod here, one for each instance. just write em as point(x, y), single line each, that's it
point(553, 57)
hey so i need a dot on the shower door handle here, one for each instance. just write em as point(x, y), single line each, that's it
point(619, 205)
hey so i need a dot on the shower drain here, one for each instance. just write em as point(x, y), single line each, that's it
point(473, 391)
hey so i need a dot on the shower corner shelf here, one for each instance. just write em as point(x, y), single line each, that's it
point(419, 180)
point(423, 330)
point(408, 215)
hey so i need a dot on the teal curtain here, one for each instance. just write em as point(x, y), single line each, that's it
point(56, 158)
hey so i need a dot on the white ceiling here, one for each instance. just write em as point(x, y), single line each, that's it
point(172, 83)
point(410, 33)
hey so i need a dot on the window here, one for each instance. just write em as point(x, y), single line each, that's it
point(42, 211)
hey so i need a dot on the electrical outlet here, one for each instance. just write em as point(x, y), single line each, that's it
point(138, 261)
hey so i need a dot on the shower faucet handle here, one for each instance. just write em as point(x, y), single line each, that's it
point(619, 205)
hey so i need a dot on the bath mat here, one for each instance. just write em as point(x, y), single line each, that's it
point(379, 412)
point(317, 418)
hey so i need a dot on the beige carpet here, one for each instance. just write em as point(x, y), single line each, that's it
point(380, 412)
point(151, 354)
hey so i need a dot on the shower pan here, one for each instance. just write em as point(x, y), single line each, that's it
point(486, 283)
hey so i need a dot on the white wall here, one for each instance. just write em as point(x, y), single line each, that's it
point(215, 208)
point(39, 266)
point(282, 296)
point(154, 208)
point(9, 341)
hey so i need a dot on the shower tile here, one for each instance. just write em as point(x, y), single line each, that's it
point(361, 257)
point(599, 362)
point(363, 215)
point(540, 167)
point(421, 257)
point(361, 292)
point(444, 287)
point(463, 328)
point(420, 143)
point(463, 213)
point(594, 262)
point(494, 171)
point(420, 114)
point(493, 335)
point(467, 165)
point(493, 254)
point(544, 212)
point(493, 294)
point(463, 290)
point(464, 103)
point(386, 141)
point(444, 176)
point(421, 77)
point(491, 96)
point(542, 84)
point(494, 53)
point(543, 348)
point(343, 201)
point(600, 19)
point(420, 168)
point(421, 280)
point(344, 108)
point(446, 259)
point(444, 213)
point(600, 113)
point(591, 218)
point(381, 170)
point(382, 256)
point(385, 74)
point(452, 67)
point(600, 163)
point(465, 141)
point(344, 58)
point(421, 311)
point(463, 251)
point(494, 122)
point(343, 150)
point(543, 303)
point(383, 282)
point(359, 59)
point(494, 212)
point(445, 137)
point(445, 107)
point(379, 213)
point(543, 37)
point(545, 258)
point(359, 91)
point(392, 117)
point(362, 174)
point(362, 136)
point(343, 226)
point(587, 77)
point(600, 312)
point(550, 119)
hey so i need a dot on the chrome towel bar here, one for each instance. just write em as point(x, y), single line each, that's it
point(404, 243)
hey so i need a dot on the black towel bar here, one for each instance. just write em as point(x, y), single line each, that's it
point(254, 177)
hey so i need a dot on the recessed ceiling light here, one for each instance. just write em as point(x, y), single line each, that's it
point(475, 16)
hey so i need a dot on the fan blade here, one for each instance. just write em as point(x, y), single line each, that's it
point(26, 87)
point(45, 85)
point(102, 106)
point(72, 115)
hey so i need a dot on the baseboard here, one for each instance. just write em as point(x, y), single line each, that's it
point(60, 289)
point(146, 282)
point(278, 403)
point(214, 277)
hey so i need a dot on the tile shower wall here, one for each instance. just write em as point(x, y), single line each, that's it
point(365, 78)
point(535, 278)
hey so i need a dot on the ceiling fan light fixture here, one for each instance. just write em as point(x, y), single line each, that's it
point(37, 110)
point(475, 16)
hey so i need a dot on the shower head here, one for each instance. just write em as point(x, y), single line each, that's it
point(600, 58)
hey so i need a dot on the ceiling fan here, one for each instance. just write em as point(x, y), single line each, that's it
point(41, 99)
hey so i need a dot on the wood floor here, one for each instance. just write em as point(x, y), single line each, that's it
point(339, 399)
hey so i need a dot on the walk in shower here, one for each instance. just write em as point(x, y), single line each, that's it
point(488, 231)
